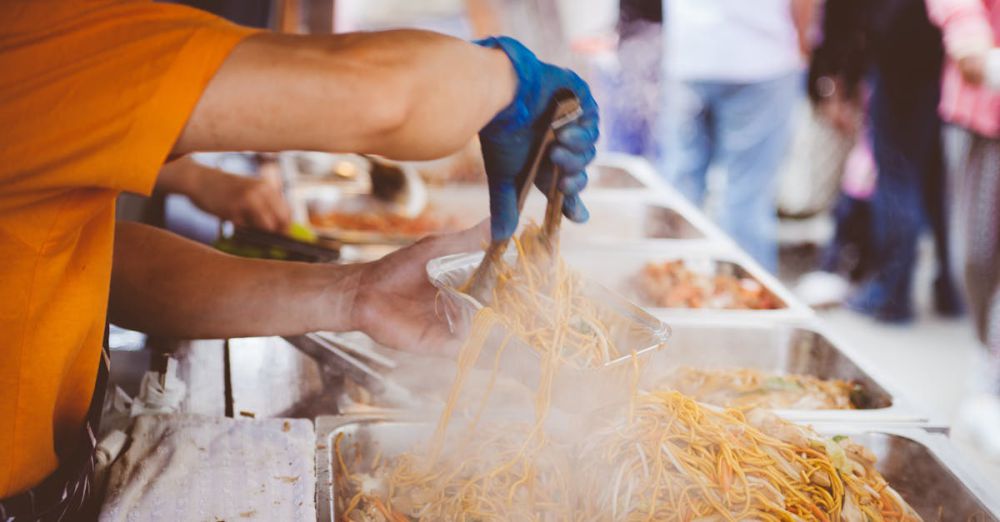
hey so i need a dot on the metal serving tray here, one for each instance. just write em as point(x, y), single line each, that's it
point(612, 177)
point(782, 348)
point(927, 470)
point(615, 215)
point(616, 266)
point(924, 468)
point(612, 170)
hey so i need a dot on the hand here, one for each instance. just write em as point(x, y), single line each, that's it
point(843, 113)
point(973, 68)
point(508, 139)
point(249, 202)
point(396, 304)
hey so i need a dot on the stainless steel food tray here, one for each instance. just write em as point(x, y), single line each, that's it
point(615, 215)
point(924, 468)
point(783, 348)
point(616, 266)
point(611, 170)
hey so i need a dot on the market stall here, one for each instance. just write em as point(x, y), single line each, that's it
point(737, 338)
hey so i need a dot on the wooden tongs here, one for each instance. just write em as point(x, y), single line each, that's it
point(563, 110)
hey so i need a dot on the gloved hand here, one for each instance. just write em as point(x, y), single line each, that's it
point(508, 139)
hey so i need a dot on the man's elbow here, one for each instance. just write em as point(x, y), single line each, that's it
point(389, 108)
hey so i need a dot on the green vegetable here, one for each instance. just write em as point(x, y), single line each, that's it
point(780, 383)
point(302, 233)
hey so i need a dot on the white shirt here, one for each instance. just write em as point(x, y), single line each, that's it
point(730, 40)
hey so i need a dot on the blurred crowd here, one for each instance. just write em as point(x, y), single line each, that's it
point(882, 114)
point(899, 137)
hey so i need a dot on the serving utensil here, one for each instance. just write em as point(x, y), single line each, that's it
point(564, 109)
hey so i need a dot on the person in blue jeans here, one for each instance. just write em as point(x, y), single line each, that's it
point(745, 128)
point(906, 143)
point(733, 76)
point(891, 48)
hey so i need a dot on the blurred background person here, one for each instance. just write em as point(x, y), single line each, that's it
point(970, 104)
point(886, 56)
point(633, 99)
point(732, 78)
point(848, 257)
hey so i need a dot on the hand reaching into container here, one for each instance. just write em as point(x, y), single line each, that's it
point(396, 304)
point(508, 139)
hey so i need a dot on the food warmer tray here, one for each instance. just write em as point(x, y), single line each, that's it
point(923, 467)
point(617, 266)
point(614, 215)
point(795, 347)
point(617, 171)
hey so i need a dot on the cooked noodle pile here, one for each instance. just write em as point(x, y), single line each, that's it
point(745, 388)
point(679, 460)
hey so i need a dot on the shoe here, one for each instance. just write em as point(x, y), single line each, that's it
point(822, 289)
point(868, 301)
point(978, 422)
point(947, 301)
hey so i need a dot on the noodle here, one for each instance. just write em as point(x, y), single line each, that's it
point(729, 467)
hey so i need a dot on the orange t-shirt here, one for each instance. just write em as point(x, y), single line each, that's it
point(93, 95)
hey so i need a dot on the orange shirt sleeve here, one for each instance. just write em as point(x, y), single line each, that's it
point(93, 95)
point(104, 86)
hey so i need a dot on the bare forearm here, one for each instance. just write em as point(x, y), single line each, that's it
point(181, 176)
point(167, 285)
point(403, 94)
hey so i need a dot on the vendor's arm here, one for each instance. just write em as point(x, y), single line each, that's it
point(167, 285)
point(404, 94)
point(253, 202)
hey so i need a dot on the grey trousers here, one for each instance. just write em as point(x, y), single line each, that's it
point(973, 163)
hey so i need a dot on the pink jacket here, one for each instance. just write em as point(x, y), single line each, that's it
point(969, 26)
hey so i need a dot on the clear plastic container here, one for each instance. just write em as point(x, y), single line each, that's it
point(631, 329)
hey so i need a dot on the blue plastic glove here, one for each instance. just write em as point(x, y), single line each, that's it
point(508, 139)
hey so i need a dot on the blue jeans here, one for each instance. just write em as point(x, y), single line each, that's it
point(746, 128)
point(905, 134)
